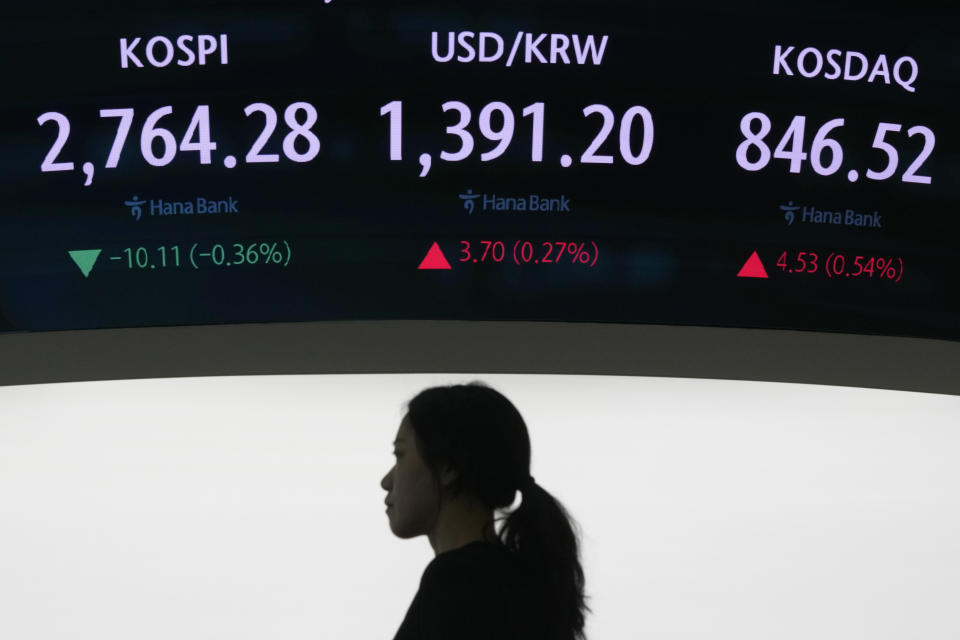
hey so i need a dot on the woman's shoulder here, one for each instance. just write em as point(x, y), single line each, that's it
point(480, 585)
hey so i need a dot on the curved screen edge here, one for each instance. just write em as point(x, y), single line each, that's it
point(414, 346)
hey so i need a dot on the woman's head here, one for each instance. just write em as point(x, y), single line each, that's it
point(463, 451)
point(465, 447)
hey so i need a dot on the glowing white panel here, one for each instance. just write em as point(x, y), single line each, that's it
point(251, 507)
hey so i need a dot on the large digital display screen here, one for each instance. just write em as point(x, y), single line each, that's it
point(792, 166)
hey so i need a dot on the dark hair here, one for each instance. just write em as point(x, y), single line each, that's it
point(480, 434)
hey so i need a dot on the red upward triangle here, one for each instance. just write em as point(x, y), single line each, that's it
point(434, 259)
point(752, 268)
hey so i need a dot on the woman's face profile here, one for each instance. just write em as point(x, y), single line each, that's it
point(410, 489)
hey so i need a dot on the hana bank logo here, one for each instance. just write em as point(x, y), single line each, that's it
point(847, 217)
point(468, 199)
point(532, 202)
point(134, 205)
point(193, 206)
point(789, 210)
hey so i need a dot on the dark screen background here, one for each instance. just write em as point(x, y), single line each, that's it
point(672, 233)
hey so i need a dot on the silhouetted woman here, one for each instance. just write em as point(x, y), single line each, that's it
point(462, 452)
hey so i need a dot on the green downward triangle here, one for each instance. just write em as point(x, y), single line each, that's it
point(85, 259)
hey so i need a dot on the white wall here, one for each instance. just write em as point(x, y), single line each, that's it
point(250, 507)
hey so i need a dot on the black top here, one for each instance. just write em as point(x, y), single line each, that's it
point(476, 592)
